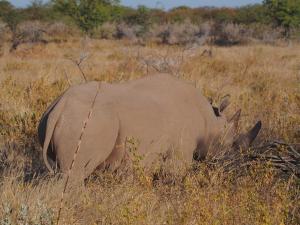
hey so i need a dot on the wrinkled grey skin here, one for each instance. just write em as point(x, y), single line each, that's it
point(160, 111)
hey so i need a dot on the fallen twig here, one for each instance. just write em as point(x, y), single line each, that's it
point(286, 160)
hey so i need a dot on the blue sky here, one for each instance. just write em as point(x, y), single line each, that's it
point(168, 3)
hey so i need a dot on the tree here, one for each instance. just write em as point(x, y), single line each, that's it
point(10, 15)
point(38, 10)
point(251, 14)
point(4, 7)
point(284, 13)
point(87, 14)
point(141, 16)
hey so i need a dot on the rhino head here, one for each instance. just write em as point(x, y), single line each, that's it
point(227, 129)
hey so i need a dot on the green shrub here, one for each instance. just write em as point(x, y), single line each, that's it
point(284, 13)
point(87, 14)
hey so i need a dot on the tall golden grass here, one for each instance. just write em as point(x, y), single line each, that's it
point(262, 80)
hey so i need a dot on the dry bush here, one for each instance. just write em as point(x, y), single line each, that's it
point(58, 28)
point(266, 34)
point(171, 34)
point(3, 36)
point(295, 34)
point(240, 34)
point(124, 31)
point(187, 33)
point(35, 32)
point(165, 60)
point(106, 31)
point(59, 31)
point(2, 28)
point(230, 34)
point(183, 33)
point(28, 32)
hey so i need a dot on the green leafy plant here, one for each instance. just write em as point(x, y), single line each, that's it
point(10, 15)
point(87, 14)
point(284, 13)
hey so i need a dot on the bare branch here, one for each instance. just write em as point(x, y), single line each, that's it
point(79, 62)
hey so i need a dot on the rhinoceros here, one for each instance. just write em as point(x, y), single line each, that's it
point(161, 111)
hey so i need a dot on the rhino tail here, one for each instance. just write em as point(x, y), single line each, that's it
point(52, 120)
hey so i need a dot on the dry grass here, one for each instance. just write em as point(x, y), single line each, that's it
point(262, 80)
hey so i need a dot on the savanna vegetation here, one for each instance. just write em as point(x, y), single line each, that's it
point(269, 22)
point(45, 48)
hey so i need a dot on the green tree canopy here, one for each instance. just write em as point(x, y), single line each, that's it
point(284, 13)
point(87, 14)
point(4, 7)
point(10, 15)
point(251, 14)
point(38, 10)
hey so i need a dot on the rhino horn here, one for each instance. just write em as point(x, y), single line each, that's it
point(245, 140)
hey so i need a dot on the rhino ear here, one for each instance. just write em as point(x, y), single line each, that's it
point(245, 140)
point(235, 119)
point(224, 103)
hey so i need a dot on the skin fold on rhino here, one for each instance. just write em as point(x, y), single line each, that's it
point(160, 111)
